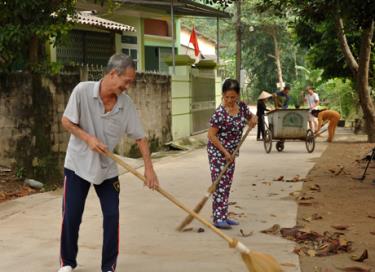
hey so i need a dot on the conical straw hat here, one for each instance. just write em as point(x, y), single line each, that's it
point(264, 95)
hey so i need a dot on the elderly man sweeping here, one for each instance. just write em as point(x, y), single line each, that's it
point(98, 115)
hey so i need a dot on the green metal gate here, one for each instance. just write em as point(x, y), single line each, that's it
point(202, 99)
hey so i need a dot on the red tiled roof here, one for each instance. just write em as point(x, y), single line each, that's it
point(88, 18)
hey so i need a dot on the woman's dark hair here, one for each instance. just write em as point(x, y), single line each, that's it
point(315, 113)
point(231, 84)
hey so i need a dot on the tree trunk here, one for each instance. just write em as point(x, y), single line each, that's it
point(360, 72)
point(277, 58)
point(238, 40)
point(345, 48)
point(33, 50)
point(362, 79)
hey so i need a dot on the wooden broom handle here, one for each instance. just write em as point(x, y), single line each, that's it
point(171, 198)
point(320, 130)
point(212, 188)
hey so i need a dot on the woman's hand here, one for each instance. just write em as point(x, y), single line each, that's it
point(253, 121)
point(228, 156)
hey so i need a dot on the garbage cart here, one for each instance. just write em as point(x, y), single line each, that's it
point(288, 125)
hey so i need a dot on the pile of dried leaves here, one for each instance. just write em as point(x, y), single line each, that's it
point(311, 243)
point(22, 191)
point(12, 186)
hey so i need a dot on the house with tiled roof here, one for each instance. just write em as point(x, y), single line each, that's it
point(145, 30)
point(150, 32)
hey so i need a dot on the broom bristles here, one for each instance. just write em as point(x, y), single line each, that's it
point(260, 262)
point(190, 218)
point(256, 261)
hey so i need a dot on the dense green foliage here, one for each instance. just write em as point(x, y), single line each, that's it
point(310, 52)
point(314, 25)
point(317, 26)
point(338, 94)
point(257, 47)
point(26, 26)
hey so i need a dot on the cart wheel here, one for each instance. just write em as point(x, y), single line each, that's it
point(267, 141)
point(310, 141)
point(280, 146)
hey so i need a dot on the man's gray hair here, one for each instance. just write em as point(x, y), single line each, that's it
point(120, 62)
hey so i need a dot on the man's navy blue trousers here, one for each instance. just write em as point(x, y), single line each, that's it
point(75, 193)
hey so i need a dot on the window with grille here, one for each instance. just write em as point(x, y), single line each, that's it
point(130, 47)
point(155, 58)
point(86, 47)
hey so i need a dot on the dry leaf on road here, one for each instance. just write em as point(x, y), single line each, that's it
point(295, 193)
point(315, 187)
point(297, 178)
point(187, 229)
point(288, 264)
point(272, 230)
point(361, 258)
point(273, 194)
point(200, 230)
point(354, 269)
point(311, 253)
point(305, 203)
point(340, 170)
point(246, 234)
point(340, 227)
point(304, 197)
point(315, 244)
point(315, 216)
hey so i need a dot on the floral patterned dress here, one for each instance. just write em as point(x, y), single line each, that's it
point(229, 134)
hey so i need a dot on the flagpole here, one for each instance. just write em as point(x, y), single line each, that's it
point(173, 39)
point(217, 41)
point(187, 47)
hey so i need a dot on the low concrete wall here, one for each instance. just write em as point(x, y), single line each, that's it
point(32, 140)
point(151, 94)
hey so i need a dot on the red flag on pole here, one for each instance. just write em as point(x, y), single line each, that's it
point(194, 41)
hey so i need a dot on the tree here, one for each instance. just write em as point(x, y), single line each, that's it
point(269, 24)
point(258, 47)
point(353, 25)
point(270, 53)
point(238, 40)
point(26, 26)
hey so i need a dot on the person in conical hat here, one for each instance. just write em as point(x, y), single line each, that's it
point(261, 109)
point(264, 95)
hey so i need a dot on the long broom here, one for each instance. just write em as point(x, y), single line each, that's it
point(322, 129)
point(212, 188)
point(254, 261)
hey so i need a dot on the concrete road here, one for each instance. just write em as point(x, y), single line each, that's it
point(30, 226)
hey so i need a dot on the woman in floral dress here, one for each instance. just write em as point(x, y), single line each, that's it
point(226, 127)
